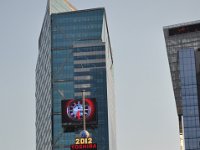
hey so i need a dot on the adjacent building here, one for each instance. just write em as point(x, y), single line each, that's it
point(74, 55)
point(183, 49)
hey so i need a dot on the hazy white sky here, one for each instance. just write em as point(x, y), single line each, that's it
point(146, 113)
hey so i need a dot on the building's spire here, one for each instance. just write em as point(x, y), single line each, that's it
point(58, 6)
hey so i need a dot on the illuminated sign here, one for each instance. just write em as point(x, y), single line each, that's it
point(83, 141)
point(72, 113)
point(84, 144)
point(184, 29)
point(84, 147)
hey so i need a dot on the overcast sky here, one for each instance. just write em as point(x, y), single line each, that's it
point(146, 112)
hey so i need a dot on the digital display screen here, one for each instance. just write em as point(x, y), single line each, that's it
point(184, 29)
point(72, 113)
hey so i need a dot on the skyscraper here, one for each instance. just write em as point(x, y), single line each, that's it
point(183, 43)
point(74, 55)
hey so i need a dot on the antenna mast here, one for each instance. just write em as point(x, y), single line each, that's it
point(83, 101)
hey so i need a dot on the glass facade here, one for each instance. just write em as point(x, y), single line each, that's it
point(182, 42)
point(43, 88)
point(187, 68)
point(75, 55)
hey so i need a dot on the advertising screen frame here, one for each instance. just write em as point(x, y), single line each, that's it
point(72, 114)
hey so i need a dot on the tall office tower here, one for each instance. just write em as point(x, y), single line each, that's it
point(183, 43)
point(74, 56)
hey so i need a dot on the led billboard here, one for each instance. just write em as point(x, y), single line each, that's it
point(72, 113)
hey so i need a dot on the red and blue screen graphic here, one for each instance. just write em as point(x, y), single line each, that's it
point(72, 111)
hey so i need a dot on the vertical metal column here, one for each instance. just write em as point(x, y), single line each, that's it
point(83, 101)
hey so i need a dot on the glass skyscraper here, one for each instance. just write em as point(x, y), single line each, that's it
point(74, 55)
point(183, 49)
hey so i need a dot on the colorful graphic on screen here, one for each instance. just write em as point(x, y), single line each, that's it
point(72, 112)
